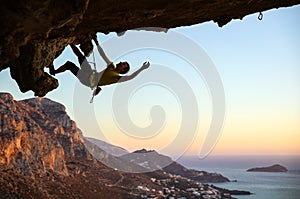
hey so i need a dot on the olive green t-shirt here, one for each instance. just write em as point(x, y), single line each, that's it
point(109, 76)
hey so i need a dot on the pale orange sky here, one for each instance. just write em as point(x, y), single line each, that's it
point(256, 136)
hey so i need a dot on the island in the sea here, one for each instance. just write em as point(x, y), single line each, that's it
point(273, 168)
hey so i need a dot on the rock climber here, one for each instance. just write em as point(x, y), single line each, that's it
point(90, 77)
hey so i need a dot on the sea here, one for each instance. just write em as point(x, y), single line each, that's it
point(263, 185)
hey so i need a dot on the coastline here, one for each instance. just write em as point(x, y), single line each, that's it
point(263, 185)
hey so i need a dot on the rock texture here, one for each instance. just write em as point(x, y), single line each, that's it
point(273, 168)
point(37, 134)
point(33, 33)
point(42, 155)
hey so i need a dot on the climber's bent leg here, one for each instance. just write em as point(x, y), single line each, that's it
point(67, 66)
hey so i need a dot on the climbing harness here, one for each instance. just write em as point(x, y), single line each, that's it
point(260, 16)
point(92, 77)
point(94, 63)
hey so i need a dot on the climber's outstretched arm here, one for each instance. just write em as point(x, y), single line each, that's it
point(101, 52)
point(133, 75)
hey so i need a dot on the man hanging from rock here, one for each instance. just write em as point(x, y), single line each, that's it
point(91, 78)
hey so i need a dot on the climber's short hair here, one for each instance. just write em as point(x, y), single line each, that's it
point(122, 67)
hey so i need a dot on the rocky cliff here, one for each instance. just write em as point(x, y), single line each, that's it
point(33, 33)
point(42, 155)
point(37, 134)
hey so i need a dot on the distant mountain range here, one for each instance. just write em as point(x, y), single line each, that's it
point(117, 163)
point(44, 155)
point(109, 148)
point(149, 160)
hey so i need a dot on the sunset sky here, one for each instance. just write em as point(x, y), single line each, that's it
point(257, 61)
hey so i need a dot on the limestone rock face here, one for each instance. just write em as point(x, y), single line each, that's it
point(33, 33)
point(42, 155)
point(37, 134)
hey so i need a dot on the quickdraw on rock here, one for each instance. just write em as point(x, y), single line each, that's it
point(260, 16)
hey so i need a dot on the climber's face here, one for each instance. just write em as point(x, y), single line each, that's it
point(122, 67)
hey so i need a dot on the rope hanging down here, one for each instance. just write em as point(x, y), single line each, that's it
point(94, 71)
point(94, 63)
point(91, 101)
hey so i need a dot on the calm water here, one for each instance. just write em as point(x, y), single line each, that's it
point(264, 185)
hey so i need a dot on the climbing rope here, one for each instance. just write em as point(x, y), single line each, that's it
point(92, 100)
point(260, 16)
point(93, 75)
point(93, 62)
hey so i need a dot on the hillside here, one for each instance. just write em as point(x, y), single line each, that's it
point(153, 161)
point(107, 147)
point(150, 160)
point(199, 176)
point(110, 160)
point(42, 155)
